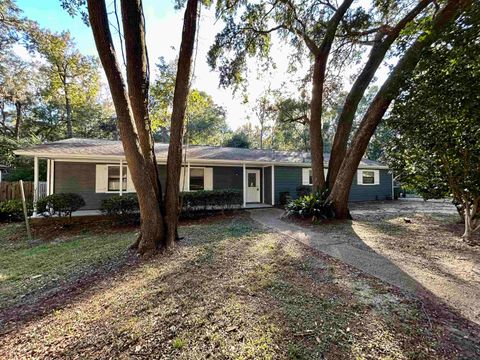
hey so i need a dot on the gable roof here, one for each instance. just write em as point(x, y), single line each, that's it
point(108, 149)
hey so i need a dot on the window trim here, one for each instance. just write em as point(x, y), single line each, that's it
point(123, 174)
point(376, 177)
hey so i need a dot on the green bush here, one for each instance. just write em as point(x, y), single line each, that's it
point(313, 205)
point(284, 197)
point(303, 190)
point(124, 208)
point(62, 204)
point(12, 210)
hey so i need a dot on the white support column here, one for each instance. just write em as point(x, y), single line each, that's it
point(273, 184)
point(52, 176)
point(35, 185)
point(244, 185)
point(263, 184)
point(187, 182)
point(121, 178)
point(48, 177)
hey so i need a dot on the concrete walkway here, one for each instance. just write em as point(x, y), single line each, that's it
point(351, 251)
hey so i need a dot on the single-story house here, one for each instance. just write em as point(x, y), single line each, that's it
point(96, 168)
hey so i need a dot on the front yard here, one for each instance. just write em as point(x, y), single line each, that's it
point(231, 289)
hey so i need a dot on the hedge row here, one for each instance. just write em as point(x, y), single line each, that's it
point(12, 210)
point(125, 208)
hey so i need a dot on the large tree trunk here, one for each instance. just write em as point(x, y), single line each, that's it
point(174, 163)
point(68, 108)
point(382, 43)
point(18, 120)
point(152, 224)
point(381, 102)
point(316, 103)
point(472, 223)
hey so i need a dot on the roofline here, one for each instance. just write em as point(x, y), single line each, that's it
point(106, 158)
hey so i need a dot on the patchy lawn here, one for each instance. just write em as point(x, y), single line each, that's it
point(229, 290)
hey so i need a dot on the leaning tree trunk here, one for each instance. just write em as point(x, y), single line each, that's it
point(316, 103)
point(174, 161)
point(18, 120)
point(152, 224)
point(382, 43)
point(381, 102)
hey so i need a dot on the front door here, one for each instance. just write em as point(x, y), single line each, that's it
point(253, 185)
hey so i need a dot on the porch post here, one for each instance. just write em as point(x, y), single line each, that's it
point(121, 177)
point(273, 184)
point(263, 184)
point(187, 182)
point(244, 185)
point(35, 185)
point(48, 177)
point(52, 176)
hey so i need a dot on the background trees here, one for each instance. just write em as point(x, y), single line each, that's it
point(436, 142)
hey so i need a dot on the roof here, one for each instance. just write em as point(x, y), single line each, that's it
point(108, 149)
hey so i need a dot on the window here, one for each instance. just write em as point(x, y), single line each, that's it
point(307, 176)
point(310, 177)
point(197, 179)
point(114, 178)
point(252, 180)
point(368, 177)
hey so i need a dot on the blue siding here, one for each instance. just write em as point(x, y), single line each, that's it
point(287, 178)
point(268, 185)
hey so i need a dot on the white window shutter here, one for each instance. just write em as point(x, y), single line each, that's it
point(208, 178)
point(376, 177)
point(130, 186)
point(325, 172)
point(183, 182)
point(360, 177)
point(305, 176)
point(101, 178)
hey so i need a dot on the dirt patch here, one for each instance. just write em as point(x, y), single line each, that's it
point(234, 290)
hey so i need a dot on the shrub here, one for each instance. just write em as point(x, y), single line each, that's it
point(313, 205)
point(303, 190)
point(62, 204)
point(284, 197)
point(12, 210)
point(124, 208)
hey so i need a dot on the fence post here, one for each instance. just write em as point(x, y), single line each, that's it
point(25, 211)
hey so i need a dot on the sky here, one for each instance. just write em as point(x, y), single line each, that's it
point(163, 29)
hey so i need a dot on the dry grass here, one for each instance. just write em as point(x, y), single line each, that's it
point(231, 290)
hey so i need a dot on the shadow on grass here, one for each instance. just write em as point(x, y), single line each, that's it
point(234, 290)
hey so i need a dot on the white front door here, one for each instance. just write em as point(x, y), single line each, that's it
point(253, 185)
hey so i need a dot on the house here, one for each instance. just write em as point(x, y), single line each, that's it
point(96, 168)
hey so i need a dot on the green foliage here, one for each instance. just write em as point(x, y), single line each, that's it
point(62, 204)
point(12, 210)
point(238, 140)
point(436, 144)
point(124, 208)
point(313, 205)
point(303, 190)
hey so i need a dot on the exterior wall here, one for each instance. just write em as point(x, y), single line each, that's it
point(287, 178)
point(79, 178)
point(268, 185)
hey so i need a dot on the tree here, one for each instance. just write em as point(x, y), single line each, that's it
point(264, 111)
point(238, 140)
point(324, 28)
point(70, 74)
point(159, 216)
point(436, 143)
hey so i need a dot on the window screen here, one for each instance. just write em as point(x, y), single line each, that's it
point(114, 178)
point(368, 177)
point(197, 179)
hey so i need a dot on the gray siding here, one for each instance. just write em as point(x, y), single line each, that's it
point(79, 178)
point(268, 185)
point(287, 178)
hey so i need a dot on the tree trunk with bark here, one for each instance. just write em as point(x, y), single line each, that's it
point(316, 103)
point(18, 120)
point(68, 110)
point(471, 213)
point(382, 43)
point(381, 102)
point(174, 162)
point(139, 163)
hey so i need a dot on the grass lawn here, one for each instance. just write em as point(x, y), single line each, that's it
point(230, 290)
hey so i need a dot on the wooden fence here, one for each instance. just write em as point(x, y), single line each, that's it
point(11, 190)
